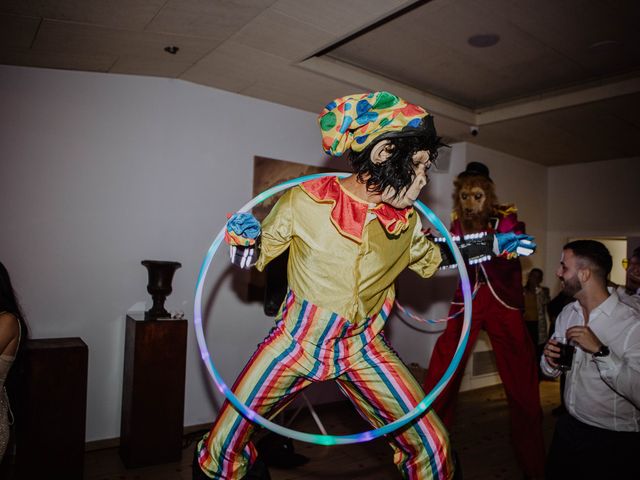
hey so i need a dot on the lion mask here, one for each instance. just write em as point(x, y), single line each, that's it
point(474, 202)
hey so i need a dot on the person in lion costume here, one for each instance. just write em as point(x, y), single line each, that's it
point(497, 306)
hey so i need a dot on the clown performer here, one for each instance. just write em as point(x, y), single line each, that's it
point(348, 240)
point(497, 307)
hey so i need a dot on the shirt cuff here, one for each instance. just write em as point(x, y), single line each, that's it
point(548, 370)
point(607, 366)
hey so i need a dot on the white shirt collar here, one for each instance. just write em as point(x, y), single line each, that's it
point(605, 307)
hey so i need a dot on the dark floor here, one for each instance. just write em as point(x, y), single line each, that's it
point(480, 436)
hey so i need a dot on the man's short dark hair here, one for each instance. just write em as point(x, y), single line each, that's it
point(595, 253)
point(636, 252)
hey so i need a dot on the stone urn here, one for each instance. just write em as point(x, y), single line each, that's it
point(159, 286)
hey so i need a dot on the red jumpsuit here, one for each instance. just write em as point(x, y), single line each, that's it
point(497, 309)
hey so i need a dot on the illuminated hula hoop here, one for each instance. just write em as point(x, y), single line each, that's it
point(418, 318)
point(331, 439)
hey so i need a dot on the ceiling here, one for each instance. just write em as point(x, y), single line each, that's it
point(561, 85)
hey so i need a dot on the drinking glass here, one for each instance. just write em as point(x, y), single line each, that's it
point(567, 349)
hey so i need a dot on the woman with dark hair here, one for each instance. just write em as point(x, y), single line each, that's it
point(13, 333)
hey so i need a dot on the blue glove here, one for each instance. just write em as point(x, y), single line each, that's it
point(511, 245)
point(242, 233)
point(242, 229)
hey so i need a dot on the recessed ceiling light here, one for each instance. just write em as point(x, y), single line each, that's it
point(482, 40)
point(172, 49)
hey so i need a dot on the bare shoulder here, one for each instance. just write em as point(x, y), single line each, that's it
point(9, 325)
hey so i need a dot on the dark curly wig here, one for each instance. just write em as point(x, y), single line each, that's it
point(397, 171)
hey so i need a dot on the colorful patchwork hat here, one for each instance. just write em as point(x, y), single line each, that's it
point(354, 121)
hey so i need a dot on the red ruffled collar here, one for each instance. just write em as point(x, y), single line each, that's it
point(349, 214)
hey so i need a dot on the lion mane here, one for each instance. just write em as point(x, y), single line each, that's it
point(490, 208)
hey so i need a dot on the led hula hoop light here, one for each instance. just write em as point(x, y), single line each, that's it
point(331, 439)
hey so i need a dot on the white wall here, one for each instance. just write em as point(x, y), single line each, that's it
point(102, 171)
point(598, 199)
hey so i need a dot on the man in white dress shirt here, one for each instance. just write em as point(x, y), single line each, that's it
point(599, 436)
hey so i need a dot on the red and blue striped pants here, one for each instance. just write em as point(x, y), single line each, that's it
point(375, 380)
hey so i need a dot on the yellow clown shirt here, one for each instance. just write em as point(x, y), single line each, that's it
point(345, 255)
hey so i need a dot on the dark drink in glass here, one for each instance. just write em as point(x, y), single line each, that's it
point(566, 356)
